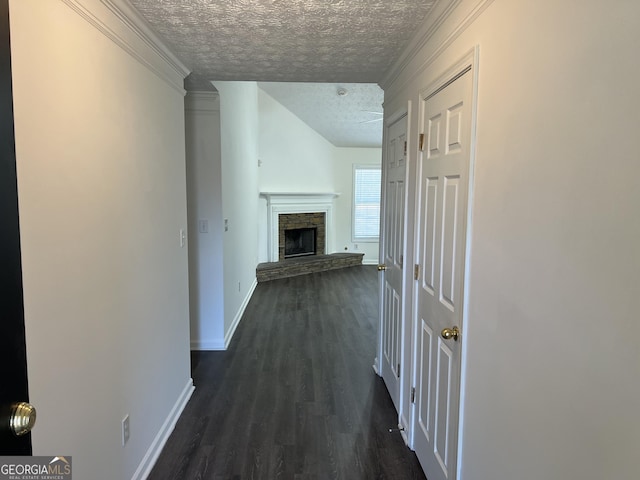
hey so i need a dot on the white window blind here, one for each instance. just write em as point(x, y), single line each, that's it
point(366, 203)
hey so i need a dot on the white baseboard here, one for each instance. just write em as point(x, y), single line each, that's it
point(236, 321)
point(220, 344)
point(208, 345)
point(369, 261)
point(404, 436)
point(403, 425)
point(150, 458)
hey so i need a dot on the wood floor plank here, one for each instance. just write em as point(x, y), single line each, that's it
point(294, 396)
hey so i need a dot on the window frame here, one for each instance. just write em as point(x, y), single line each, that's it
point(364, 239)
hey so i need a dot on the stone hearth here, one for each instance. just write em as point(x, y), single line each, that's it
point(293, 267)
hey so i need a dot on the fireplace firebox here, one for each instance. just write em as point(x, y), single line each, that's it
point(299, 242)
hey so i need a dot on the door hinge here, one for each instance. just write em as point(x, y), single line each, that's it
point(416, 272)
point(398, 371)
point(401, 260)
point(405, 148)
point(413, 395)
point(421, 142)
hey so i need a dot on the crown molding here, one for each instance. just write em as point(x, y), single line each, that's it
point(202, 102)
point(442, 11)
point(138, 24)
point(121, 23)
point(435, 19)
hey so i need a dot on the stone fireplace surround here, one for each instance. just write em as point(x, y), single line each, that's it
point(290, 221)
point(296, 203)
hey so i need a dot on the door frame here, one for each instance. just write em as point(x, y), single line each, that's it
point(469, 61)
point(13, 367)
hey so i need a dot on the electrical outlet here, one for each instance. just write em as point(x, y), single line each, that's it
point(125, 430)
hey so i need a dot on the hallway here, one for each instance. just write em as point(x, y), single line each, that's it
point(295, 395)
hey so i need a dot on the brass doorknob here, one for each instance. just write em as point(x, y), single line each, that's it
point(449, 333)
point(22, 419)
point(382, 268)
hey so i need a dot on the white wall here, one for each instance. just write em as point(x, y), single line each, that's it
point(101, 181)
point(295, 158)
point(344, 160)
point(204, 203)
point(552, 364)
point(239, 147)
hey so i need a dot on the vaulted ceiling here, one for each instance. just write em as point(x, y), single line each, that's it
point(346, 114)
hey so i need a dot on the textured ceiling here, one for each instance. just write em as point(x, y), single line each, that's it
point(351, 41)
point(345, 120)
point(286, 40)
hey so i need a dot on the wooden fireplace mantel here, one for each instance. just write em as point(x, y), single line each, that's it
point(298, 197)
point(297, 202)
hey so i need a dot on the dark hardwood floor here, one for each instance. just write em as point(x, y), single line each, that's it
point(294, 396)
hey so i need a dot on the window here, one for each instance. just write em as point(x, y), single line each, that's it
point(366, 203)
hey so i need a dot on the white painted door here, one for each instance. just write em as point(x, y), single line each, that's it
point(440, 252)
point(393, 254)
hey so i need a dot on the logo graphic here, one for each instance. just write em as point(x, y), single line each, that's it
point(35, 468)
